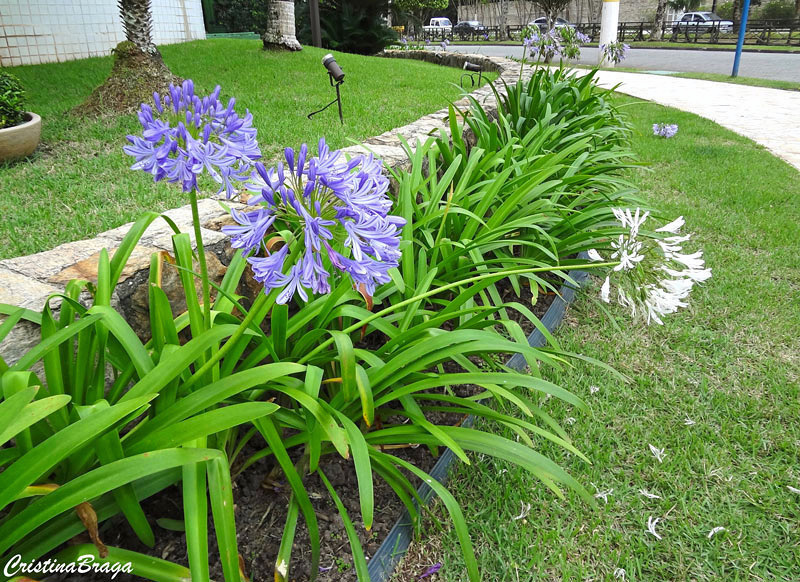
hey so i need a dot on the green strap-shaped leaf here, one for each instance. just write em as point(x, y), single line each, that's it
point(39, 460)
point(95, 483)
point(30, 415)
point(270, 433)
point(203, 425)
point(347, 363)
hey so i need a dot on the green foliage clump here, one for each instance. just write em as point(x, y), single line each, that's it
point(777, 10)
point(12, 100)
point(241, 15)
point(725, 10)
point(350, 26)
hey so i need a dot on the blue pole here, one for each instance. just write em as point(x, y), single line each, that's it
point(740, 43)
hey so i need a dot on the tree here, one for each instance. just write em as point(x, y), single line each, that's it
point(138, 69)
point(658, 23)
point(551, 9)
point(418, 9)
point(280, 33)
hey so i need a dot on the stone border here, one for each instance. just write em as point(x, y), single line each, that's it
point(29, 280)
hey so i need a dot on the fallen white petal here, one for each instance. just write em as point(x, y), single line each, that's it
point(649, 495)
point(793, 489)
point(526, 509)
point(659, 454)
point(715, 531)
point(619, 573)
point(651, 526)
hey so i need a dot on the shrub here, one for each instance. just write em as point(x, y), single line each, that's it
point(12, 100)
point(351, 26)
point(780, 10)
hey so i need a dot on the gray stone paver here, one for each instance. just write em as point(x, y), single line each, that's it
point(770, 117)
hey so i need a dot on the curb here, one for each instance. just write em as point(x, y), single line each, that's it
point(382, 564)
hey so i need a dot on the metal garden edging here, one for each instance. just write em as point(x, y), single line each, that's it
point(391, 551)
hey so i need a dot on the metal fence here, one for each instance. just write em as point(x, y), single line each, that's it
point(759, 32)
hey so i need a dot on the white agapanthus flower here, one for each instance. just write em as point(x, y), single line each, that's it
point(654, 277)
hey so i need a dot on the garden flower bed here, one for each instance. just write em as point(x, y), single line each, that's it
point(349, 330)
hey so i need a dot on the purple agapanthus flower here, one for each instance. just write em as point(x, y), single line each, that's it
point(430, 571)
point(338, 213)
point(615, 51)
point(184, 135)
point(666, 130)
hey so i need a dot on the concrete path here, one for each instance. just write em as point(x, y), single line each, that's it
point(776, 66)
point(770, 117)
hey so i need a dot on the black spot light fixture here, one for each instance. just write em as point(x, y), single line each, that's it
point(336, 78)
point(471, 69)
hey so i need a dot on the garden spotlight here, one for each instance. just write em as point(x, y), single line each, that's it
point(471, 69)
point(334, 70)
point(336, 78)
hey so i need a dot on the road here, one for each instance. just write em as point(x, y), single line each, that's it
point(776, 66)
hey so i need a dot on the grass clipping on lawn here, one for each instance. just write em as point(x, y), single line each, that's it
point(136, 75)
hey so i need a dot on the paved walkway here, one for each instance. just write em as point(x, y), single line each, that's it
point(770, 117)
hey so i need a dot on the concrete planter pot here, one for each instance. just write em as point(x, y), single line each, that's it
point(20, 140)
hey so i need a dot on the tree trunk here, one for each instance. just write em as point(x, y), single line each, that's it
point(137, 22)
point(503, 17)
point(138, 69)
point(736, 10)
point(658, 23)
point(280, 33)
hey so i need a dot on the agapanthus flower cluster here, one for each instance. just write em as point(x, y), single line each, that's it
point(444, 44)
point(614, 52)
point(338, 213)
point(654, 276)
point(185, 135)
point(564, 41)
point(665, 130)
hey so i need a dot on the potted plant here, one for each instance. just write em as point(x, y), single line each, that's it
point(19, 129)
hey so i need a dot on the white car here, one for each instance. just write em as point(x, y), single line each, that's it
point(438, 26)
point(703, 22)
point(541, 22)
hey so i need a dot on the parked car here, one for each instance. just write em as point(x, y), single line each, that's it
point(468, 27)
point(438, 26)
point(541, 22)
point(703, 22)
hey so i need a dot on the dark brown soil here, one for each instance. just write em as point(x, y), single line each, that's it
point(261, 507)
point(133, 80)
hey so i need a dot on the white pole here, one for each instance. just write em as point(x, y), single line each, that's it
point(609, 21)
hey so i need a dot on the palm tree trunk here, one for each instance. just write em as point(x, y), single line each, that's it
point(280, 33)
point(137, 22)
point(138, 69)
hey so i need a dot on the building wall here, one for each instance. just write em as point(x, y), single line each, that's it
point(579, 11)
point(43, 31)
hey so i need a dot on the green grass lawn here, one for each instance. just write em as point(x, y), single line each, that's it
point(730, 364)
point(78, 183)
